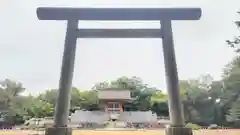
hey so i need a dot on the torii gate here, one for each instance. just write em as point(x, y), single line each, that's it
point(73, 15)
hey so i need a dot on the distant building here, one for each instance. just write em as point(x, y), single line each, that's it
point(113, 99)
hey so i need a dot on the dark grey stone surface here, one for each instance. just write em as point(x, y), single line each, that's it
point(179, 131)
point(58, 131)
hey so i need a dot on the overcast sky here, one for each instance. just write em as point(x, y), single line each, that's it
point(31, 50)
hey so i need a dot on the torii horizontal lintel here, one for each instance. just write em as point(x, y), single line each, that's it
point(119, 33)
point(118, 14)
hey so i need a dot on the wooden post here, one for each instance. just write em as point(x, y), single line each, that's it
point(121, 107)
point(106, 107)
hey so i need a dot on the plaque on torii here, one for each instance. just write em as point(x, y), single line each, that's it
point(163, 15)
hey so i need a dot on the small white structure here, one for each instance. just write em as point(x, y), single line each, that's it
point(89, 117)
point(111, 111)
point(138, 117)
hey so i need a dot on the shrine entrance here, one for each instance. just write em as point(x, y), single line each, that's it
point(114, 107)
point(113, 110)
point(164, 15)
point(113, 100)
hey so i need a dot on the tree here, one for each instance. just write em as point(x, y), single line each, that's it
point(216, 93)
point(232, 84)
point(231, 81)
point(159, 104)
point(50, 96)
point(234, 114)
point(205, 101)
point(10, 96)
point(39, 109)
point(89, 100)
point(236, 40)
point(9, 91)
point(198, 105)
point(231, 90)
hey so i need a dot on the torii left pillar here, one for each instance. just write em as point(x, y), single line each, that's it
point(65, 84)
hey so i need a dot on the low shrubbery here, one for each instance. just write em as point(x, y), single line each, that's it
point(193, 126)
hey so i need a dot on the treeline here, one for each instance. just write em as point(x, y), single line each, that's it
point(205, 101)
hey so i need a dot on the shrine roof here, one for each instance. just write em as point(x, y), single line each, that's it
point(114, 93)
point(113, 89)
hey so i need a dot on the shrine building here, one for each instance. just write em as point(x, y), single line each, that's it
point(113, 99)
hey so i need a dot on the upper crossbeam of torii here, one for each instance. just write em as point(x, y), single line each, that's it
point(119, 14)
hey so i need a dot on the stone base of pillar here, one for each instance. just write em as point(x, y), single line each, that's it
point(178, 131)
point(58, 131)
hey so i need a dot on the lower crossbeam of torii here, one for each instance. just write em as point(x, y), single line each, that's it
point(163, 15)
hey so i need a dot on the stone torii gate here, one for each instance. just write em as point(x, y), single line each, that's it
point(73, 15)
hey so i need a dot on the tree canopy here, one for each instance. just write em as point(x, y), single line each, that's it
point(205, 100)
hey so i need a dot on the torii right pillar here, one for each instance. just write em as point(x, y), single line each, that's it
point(177, 126)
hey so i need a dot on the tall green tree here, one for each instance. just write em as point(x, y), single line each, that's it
point(231, 91)
point(234, 114)
point(10, 92)
point(198, 103)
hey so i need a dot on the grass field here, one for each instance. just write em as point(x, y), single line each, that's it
point(142, 132)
